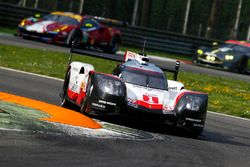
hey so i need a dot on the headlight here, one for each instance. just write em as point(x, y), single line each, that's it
point(112, 87)
point(211, 58)
point(190, 102)
point(23, 22)
point(200, 52)
point(229, 57)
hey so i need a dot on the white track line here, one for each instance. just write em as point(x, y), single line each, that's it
point(29, 73)
point(44, 76)
point(230, 116)
point(9, 129)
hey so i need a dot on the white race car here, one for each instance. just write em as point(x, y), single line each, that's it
point(135, 87)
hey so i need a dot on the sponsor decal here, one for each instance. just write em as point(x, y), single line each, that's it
point(132, 104)
point(130, 55)
point(83, 85)
point(198, 125)
point(172, 88)
point(167, 109)
point(98, 105)
point(107, 102)
point(193, 120)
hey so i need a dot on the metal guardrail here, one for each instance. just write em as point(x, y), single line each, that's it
point(10, 15)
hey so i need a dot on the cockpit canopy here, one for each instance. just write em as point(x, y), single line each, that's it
point(141, 77)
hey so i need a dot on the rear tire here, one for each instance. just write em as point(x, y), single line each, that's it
point(76, 36)
point(243, 65)
point(65, 103)
point(113, 45)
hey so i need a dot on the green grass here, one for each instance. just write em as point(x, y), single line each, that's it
point(7, 30)
point(225, 95)
point(45, 62)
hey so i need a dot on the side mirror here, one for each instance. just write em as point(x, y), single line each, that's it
point(177, 66)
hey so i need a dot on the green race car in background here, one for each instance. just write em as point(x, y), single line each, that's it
point(232, 55)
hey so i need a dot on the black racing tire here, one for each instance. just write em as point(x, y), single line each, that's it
point(65, 102)
point(243, 65)
point(113, 45)
point(76, 36)
point(195, 59)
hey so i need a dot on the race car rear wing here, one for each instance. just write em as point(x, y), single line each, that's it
point(119, 58)
point(172, 70)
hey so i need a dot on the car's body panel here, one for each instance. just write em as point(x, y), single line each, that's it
point(79, 73)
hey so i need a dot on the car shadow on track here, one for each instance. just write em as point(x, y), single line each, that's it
point(146, 125)
point(223, 138)
point(166, 129)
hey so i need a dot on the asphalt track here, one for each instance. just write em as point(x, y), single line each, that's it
point(225, 141)
point(17, 41)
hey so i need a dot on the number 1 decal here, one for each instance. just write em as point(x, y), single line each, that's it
point(151, 99)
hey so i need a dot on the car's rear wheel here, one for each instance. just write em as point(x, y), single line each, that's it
point(65, 102)
point(74, 36)
point(113, 45)
point(243, 65)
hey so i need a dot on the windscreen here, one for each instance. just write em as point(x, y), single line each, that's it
point(145, 78)
point(61, 19)
point(239, 48)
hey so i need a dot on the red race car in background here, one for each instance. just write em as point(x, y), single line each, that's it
point(63, 27)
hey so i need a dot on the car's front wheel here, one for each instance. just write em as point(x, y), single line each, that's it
point(243, 65)
point(195, 59)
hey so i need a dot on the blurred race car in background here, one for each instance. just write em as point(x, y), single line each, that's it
point(232, 55)
point(137, 88)
point(60, 28)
